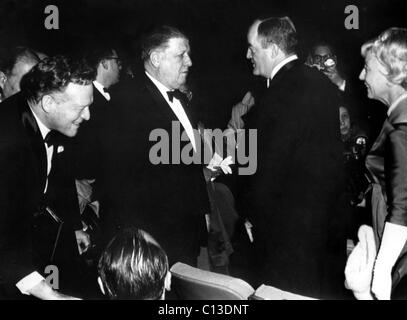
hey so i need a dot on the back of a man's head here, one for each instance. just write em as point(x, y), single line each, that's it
point(133, 266)
point(280, 31)
point(54, 74)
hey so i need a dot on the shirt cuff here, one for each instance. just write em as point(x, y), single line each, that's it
point(29, 282)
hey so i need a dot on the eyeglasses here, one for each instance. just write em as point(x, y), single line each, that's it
point(115, 58)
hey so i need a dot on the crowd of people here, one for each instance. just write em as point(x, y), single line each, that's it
point(90, 184)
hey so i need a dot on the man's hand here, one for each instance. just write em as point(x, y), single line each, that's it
point(44, 291)
point(83, 241)
point(211, 175)
point(236, 122)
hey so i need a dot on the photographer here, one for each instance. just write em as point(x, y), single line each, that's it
point(323, 57)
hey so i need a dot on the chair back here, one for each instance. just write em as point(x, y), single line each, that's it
point(191, 283)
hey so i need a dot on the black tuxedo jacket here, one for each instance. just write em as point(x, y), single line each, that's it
point(167, 200)
point(292, 195)
point(23, 172)
point(89, 139)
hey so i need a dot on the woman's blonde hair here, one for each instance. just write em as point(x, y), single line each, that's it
point(390, 49)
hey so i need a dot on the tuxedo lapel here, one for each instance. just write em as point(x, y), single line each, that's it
point(162, 106)
point(36, 143)
point(166, 115)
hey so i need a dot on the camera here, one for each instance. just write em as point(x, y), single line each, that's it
point(324, 62)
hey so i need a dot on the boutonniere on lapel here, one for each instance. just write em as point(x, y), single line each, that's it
point(53, 138)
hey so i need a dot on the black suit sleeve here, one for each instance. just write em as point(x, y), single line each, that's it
point(15, 253)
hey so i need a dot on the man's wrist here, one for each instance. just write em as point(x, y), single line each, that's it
point(365, 295)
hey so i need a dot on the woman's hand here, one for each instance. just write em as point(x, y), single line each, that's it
point(393, 241)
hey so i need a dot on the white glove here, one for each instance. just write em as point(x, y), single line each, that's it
point(393, 241)
point(359, 267)
point(225, 165)
point(217, 163)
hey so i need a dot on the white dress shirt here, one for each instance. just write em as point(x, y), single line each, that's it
point(100, 88)
point(177, 108)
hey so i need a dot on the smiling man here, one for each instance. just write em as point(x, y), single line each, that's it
point(39, 214)
point(291, 196)
point(166, 200)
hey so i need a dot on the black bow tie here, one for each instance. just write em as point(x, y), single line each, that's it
point(176, 94)
point(52, 139)
point(106, 90)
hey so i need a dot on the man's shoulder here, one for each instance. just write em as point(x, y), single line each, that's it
point(12, 135)
point(10, 114)
point(309, 76)
point(130, 86)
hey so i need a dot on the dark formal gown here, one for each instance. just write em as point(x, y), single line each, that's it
point(387, 163)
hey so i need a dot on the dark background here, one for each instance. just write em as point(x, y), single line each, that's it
point(216, 28)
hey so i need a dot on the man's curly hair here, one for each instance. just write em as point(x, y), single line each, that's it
point(53, 74)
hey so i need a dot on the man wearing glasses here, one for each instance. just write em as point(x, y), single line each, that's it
point(106, 62)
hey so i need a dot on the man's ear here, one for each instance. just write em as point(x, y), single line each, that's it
point(104, 63)
point(274, 50)
point(167, 281)
point(101, 286)
point(47, 103)
point(3, 79)
point(155, 58)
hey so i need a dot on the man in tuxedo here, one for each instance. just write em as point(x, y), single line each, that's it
point(297, 236)
point(107, 64)
point(167, 198)
point(39, 214)
point(88, 142)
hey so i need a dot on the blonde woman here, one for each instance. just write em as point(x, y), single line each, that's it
point(385, 76)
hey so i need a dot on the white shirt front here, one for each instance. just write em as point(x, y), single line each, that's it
point(100, 88)
point(177, 108)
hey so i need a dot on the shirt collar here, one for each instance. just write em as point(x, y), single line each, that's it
point(43, 129)
point(282, 64)
point(396, 102)
point(162, 88)
point(342, 87)
point(100, 88)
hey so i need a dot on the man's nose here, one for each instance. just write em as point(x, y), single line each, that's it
point(362, 75)
point(85, 115)
point(248, 54)
point(188, 60)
